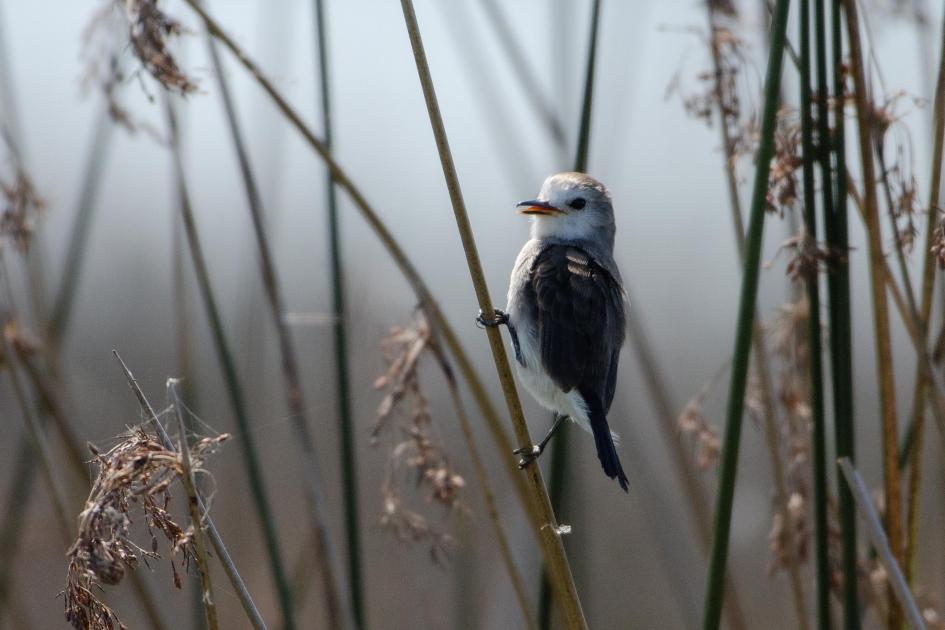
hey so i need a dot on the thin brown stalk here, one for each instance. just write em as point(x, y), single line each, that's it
point(928, 282)
point(505, 549)
point(556, 561)
point(190, 486)
point(884, 365)
point(404, 264)
point(236, 581)
point(759, 346)
point(289, 361)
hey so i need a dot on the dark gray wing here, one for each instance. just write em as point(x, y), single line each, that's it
point(581, 320)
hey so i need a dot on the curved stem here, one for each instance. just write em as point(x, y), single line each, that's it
point(555, 558)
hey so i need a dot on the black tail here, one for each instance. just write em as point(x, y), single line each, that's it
point(606, 451)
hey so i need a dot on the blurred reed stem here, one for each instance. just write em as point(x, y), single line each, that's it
point(289, 362)
point(531, 89)
point(407, 268)
point(838, 289)
point(346, 429)
point(187, 480)
point(884, 366)
point(928, 282)
point(505, 549)
point(231, 380)
point(37, 438)
point(76, 250)
point(772, 431)
point(743, 340)
point(557, 562)
point(814, 332)
point(559, 450)
point(236, 581)
point(897, 582)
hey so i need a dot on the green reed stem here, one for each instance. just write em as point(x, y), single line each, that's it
point(289, 361)
point(838, 290)
point(234, 389)
point(339, 328)
point(559, 452)
point(819, 431)
point(715, 588)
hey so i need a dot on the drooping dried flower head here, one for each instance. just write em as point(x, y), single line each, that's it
point(137, 472)
point(416, 448)
point(692, 422)
point(150, 30)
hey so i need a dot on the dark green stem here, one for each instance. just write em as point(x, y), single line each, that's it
point(743, 337)
point(838, 286)
point(233, 387)
point(559, 453)
point(342, 371)
point(815, 367)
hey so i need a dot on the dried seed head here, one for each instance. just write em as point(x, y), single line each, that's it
point(138, 470)
point(417, 451)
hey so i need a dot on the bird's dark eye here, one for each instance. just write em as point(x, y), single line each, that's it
point(577, 203)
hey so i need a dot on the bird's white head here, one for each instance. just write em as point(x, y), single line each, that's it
point(572, 207)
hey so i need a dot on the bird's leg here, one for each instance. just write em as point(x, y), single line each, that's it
point(531, 453)
point(499, 318)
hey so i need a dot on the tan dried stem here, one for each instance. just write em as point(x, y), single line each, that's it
point(556, 560)
point(887, 391)
point(193, 505)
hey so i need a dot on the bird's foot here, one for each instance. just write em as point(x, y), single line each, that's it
point(498, 318)
point(529, 454)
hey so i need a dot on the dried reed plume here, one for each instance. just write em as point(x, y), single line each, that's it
point(150, 30)
point(137, 471)
point(417, 450)
point(705, 436)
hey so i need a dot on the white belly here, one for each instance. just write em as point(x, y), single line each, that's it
point(543, 389)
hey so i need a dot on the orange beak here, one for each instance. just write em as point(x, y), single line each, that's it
point(536, 206)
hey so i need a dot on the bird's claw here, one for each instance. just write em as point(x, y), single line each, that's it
point(498, 318)
point(528, 453)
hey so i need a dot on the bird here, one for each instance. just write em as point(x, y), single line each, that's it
point(566, 311)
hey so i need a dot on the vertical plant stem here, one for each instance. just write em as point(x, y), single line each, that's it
point(236, 581)
point(928, 283)
point(887, 393)
point(557, 562)
point(838, 286)
point(881, 542)
point(819, 431)
point(743, 337)
point(187, 479)
point(233, 387)
point(559, 452)
point(399, 256)
point(289, 361)
point(37, 441)
point(519, 64)
point(772, 431)
point(505, 549)
point(346, 429)
point(76, 250)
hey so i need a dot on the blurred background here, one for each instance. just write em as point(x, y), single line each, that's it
point(637, 559)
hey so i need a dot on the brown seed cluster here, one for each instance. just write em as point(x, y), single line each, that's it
point(136, 474)
point(21, 210)
point(705, 437)
point(150, 30)
point(416, 450)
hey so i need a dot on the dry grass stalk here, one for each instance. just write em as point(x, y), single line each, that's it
point(417, 450)
point(137, 472)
